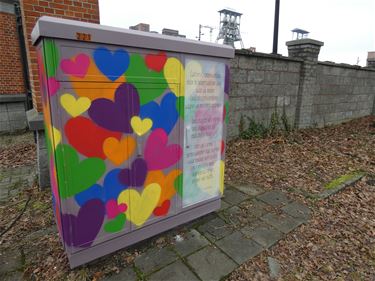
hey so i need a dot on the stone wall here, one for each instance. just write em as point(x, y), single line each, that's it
point(345, 92)
point(311, 93)
point(261, 84)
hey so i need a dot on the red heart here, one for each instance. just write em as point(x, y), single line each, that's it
point(222, 147)
point(156, 62)
point(163, 209)
point(86, 137)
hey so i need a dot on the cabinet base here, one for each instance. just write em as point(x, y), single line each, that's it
point(143, 233)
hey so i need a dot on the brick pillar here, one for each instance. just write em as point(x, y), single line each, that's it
point(308, 50)
point(83, 10)
point(371, 59)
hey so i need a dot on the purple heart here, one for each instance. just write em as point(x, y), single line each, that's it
point(136, 175)
point(115, 115)
point(81, 230)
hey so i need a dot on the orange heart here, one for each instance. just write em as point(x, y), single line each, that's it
point(89, 86)
point(119, 151)
point(166, 183)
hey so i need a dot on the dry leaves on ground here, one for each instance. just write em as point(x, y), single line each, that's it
point(338, 243)
point(305, 160)
point(17, 150)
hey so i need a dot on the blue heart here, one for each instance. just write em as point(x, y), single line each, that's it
point(112, 188)
point(112, 65)
point(164, 115)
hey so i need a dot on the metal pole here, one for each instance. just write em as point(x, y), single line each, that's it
point(276, 27)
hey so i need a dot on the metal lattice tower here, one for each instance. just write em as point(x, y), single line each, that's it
point(230, 27)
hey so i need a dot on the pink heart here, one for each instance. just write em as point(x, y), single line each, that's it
point(53, 86)
point(158, 154)
point(76, 67)
point(113, 209)
point(208, 119)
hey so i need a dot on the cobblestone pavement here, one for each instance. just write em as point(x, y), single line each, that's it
point(13, 180)
point(250, 221)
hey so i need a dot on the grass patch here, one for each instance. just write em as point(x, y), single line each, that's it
point(342, 179)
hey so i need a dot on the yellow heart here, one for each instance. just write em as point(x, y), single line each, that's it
point(220, 167)
point(140, 126)
point(174, 73)
point(207, 179)
point(56, 136)
point(74, 106)
point(140, 206)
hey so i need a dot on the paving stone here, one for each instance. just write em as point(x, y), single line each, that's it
point(215, 229)
point(10, 261)
point(274, 198)
point(224, 205)
point(283, 222)
point(154, 259)
point(297, 210)
point(239, 247)
point(236, 216)
point(255, 208)
point(14, 276)
point(262, 233)
point(211, 264)
point(233, 196)
point(192, 242)
point(127, 274)
point(249, 189)
point(173, 272)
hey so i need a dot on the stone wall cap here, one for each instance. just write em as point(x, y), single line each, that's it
point(12, 98)
point(246, 52)
point(305, 41)
point(35, 120)
point(51, 27)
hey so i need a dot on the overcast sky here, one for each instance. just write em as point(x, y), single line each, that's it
point(347, 27)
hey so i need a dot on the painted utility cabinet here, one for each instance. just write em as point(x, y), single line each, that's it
point(135, 127)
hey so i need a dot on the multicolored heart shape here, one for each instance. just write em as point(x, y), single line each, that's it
point(87, 137)
point(118, 151)
point(75, 176)
point(152, 84)
point(76, 66)
point(73, 106)
point(158, 154)
point(115, 224)
point(140, 205)
point(113, 209)
point(53, 86)
point(111, 188)
point(156, 62)
point(82, 229)
point(116, 115)
point(164, 115)
point(140, 127)
point(136, 175)
point(111, 64)
point(166, 183)
point(163, 209)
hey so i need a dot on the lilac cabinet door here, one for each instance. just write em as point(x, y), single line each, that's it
point(115, 118)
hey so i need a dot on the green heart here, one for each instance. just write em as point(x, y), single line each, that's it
point(150, 84)
point(51, 57)
point(178, 184)
point(180, 106)
point(73, 175)
point(116, 224)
